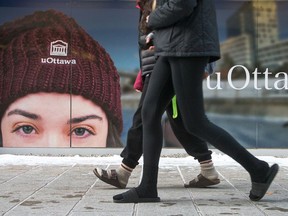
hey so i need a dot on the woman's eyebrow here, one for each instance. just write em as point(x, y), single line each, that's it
point(24, 113)
point(83, 118)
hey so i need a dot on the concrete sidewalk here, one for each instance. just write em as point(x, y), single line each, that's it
point(74, 190)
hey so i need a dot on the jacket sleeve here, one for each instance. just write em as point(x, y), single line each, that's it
point(170, 13)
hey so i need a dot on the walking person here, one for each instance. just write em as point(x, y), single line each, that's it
point(132, 152)
point(186, 39)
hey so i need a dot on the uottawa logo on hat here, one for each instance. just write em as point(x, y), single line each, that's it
point(58, 48)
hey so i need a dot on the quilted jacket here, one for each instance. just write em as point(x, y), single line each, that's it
point(185, 28)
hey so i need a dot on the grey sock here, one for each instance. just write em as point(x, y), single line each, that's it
point(208, 170)
point(124, 173)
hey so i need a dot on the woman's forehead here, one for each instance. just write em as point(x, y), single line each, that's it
point(57, 104)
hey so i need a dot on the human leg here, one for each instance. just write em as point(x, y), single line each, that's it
point(197, 148)
point(188, 87)
point(159, 94)
point(132, 151)
point(193, 145)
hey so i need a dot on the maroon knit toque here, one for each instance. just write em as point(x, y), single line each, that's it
point(56, 55)
point(38, 19)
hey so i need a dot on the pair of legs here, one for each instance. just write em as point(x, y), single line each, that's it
point(132, 152)
point(183, 76)
point(194, 146)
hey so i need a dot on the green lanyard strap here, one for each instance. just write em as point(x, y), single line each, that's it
point(174, 107)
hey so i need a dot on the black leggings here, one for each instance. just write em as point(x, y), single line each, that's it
point(183, 75)
point(133, 150)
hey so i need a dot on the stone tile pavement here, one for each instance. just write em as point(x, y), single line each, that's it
point(72, 189)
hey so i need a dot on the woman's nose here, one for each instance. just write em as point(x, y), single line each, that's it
point(56, 140)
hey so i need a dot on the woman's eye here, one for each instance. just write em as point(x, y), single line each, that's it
point(25, 130)
point(82, 132)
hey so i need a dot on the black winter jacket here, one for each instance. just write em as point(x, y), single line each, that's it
point(147, 57)
point(185, 28)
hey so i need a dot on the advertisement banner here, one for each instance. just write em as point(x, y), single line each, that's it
point(68, 71)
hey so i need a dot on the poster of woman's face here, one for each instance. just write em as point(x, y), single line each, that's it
point(67, 70)
point(59, 85)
